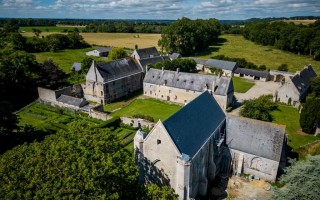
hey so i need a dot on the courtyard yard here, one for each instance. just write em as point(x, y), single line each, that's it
point(241, 85)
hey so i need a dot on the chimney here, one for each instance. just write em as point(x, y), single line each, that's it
point(178, 70)
point(162, 68)
point(147, 68)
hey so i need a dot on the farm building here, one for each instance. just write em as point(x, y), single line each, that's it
point(192, 147)
point(180, 87)
point(144, 62)
point(227, 67)
point(145, 53)
point(294, 89)
point(106, 82)
point(101, 52)
point(251, 74)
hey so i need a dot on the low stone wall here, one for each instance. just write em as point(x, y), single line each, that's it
point(59, 104)
point(137, 122)
point(97, 113)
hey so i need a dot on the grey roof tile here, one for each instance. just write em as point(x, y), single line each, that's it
point(153, 60)
point(222, 64)
point(252, 72)
point(72, 100)
point(302, 81)
point(76, 66)
point(147, 52)
point(193, 125)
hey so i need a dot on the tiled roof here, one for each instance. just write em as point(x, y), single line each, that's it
point(76, 66)
point(193, 125)
point(152, 60)
point(252, 72)
point(188, 81)
point(174, 56)
point(118, 69)
point(147, 52)
point(104, 49)
point(222, 64)
point(302, 80)
point(78, 102)
point(255, 137)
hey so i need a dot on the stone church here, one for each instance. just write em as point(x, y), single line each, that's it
point(199, 142)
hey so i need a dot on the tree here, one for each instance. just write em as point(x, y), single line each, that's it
point(283, 67)
point(301, 180)
point(185, 65)
point(154, 192)
point(36, 32)
point(117, 53)
point(8, 120)
point(51, 75)
point(315, 85)
point(85, 64)
point(259, 108)
point(310, 114)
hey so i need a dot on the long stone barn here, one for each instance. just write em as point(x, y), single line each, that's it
point(199, 143)
point(180, 87)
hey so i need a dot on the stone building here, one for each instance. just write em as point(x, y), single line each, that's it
point(295, 88)
point(251, 74)
point(227, 67)
point(106, 82)
point(192, 147)
point(101, 52)
point(180, 87)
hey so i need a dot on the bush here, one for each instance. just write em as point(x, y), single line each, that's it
point(283, 67)
point(126, 126)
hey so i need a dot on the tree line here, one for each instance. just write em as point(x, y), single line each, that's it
point(187, 36)
point(298, 39)
point(184, 65)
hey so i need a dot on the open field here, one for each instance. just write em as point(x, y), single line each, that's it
point(65, 58)
point(303, 22)
point(289, 116)
point(241, 85)
point(60, 29)
point(236, 46)
point(149, 107)
point(127, 40)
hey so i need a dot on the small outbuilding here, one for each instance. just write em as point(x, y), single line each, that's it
point(101, 52)
point(252, 74)
point(76, 66)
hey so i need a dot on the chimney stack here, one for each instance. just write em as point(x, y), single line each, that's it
point(178, 70)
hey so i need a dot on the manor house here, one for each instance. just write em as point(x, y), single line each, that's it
point(199, 142)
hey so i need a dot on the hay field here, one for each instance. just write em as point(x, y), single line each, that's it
point(128, 40)
point(303, 22)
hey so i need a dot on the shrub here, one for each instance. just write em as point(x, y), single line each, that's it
point(113, 122)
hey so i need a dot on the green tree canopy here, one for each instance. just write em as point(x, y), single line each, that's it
point(259, 108)
point(188, 36)
point(301, 181)
point(117, 53)
point(185, 65)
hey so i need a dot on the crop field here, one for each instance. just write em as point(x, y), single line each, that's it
point(149, 107)
point(65, 58)
point(236, 46)
point(127, 40)
point(289, 116)
point(303, 22)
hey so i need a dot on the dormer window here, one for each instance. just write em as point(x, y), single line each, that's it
point(158, 141)
point(165, 82)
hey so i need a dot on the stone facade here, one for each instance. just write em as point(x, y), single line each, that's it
point(109, 81)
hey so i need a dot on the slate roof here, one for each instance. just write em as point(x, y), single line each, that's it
point(255, 137)
point(174, 56)
point(104, 49)
point(152, 60)
point(302, 81)
point(188, 81)
point(76, 66)
point(222, 64)
point(252, 72)
point(118, 69)
point(147, 52)
point(193, 125)
point(72, 100)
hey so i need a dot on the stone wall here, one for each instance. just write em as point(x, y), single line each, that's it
point(285, 91)
point(46, 94)
point(52, 95)
point(137, 122)
point(98, 113)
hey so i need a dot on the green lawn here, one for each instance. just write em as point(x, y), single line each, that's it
point(47, 117)
point(60, 29)
point(66, 58)
point(119, 103)
point(237, 47)
point(241, 85)
point(289, 116)
point(150, 107)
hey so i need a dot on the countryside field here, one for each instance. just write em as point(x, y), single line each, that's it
point(237, 47)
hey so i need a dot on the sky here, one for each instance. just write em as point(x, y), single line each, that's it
point(158, 9)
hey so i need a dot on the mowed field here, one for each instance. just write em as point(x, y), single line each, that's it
point(127, 40)
point(236, 46)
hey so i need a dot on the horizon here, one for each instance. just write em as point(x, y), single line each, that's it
point(158, 10)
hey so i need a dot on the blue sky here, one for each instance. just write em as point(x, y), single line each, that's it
point(158, 9)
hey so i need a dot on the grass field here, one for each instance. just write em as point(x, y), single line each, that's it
point(303, 22)
point(65, 58)
point(289, 116)
point(237, 47)
point(60, 29)
point(150, 107)
point(128, 40)
point(241, 85)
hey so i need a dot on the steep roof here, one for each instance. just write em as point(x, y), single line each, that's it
point(255, 137)
point(174, 56)
point(302, 80)
point(72, 100)
point(147, 52)
point(76, 66)
point(222, 64)
point(193, 125)
point(118, 69)
point(188, 81)
point(153, 60)
point(104, 49)
point(252, 72)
